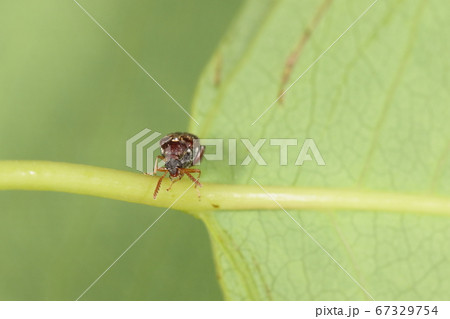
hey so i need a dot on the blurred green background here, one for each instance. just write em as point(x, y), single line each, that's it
point(68, 93)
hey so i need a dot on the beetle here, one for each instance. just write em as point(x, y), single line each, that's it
point(179, 151)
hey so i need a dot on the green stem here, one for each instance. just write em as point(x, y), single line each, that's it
point(138, 188)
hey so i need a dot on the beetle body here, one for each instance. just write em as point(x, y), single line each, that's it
point(179, 151)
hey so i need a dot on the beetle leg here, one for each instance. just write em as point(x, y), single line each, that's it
point(197, 183)
point(189, 171)
point(174, 180)
point(158, 185)
point(195, 180)
point(156, 168)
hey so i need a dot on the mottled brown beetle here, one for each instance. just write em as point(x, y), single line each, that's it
point(179, 151)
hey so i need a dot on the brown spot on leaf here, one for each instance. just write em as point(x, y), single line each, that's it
point(294, 56)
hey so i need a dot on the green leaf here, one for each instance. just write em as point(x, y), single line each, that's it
point(376, 106)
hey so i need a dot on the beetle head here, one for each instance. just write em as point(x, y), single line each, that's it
point(172, 166)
